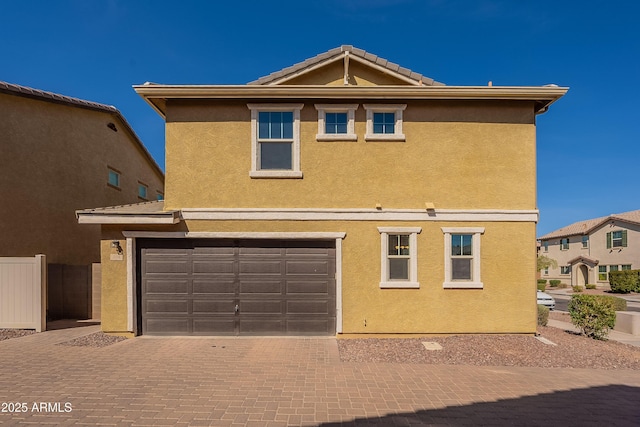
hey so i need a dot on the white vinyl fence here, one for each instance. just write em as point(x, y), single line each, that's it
point(23, 293)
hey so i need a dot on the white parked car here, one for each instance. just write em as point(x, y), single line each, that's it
point(546, 300)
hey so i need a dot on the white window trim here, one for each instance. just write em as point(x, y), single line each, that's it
point(117, 174)
point(476, 283)
point(295, 171)
point(146, 190)
point(350, 109)
point(397, 109)
point(412, 232)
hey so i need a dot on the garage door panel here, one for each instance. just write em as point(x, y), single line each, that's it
point(260, 251)
point(214, 307)
point(262, 326)
point(307, 268)
point(308, 287)
point(261, 268)
point(308, 307)
point(167, 266)
point(261, 287)
point(162, 287)
point(167, 326)
point(173, 306)
point(214, 287)
point(214, 326)
point(260, 307)
point(213, 266)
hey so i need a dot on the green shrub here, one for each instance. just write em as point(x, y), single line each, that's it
point(624, 281)
point(554, 283)
point(542, 287)
point(590, 286)
point(619, 304)
point(577, 288)
point(563, 285)
point(542, 281)
point(543, 315)
point(594, 315)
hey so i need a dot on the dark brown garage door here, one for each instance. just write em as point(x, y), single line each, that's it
point(241, 287)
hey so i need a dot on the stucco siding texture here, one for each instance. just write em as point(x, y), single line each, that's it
point(506, 304)
point(476, 155)
point(54, 160)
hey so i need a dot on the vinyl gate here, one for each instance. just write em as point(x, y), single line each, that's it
point(23, 293)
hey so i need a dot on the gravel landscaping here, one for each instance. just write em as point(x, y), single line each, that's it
point(571, 350)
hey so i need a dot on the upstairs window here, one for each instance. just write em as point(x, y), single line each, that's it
point(142, 191)
point(336, 122)
point(585, 241)
point(114, 178)
point(384, 122)
point(275, 140)
point(617, 239)
point(159, 196)
point(545, 246)
point(564, 244)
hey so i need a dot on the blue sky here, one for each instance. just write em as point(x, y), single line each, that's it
point(588, 142)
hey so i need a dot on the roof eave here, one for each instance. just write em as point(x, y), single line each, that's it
point(89, 217)
point(156, 95)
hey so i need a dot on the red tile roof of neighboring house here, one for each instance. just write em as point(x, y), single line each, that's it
point(585, 227)
point(365, 56)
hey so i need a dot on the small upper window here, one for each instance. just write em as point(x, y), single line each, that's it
point(336, 122)
point(142, 191)
point(564, 244)
point(585, 241)
point(545, 245)
point(159, 196)
point(617, 239)
point(114, 178)
point(275, 140)
point(384, 122)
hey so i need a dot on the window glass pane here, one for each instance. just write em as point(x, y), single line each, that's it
point(114, 178)
point(276, 125)
point(287, 125)
point(275, 155)
point(466, 244)
point(394, 245)
point(142, 191)
point(384, 123)
point(626, 267)
point(398, 244)
point(263, 125)
point(461, 244)
point(335, 123)
point(602, 269)
point(613, 268)
point(399, 269)
point(461, 268)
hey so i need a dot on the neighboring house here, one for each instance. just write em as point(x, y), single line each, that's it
point(587, 251)
point(59, 154)
point(344, 194)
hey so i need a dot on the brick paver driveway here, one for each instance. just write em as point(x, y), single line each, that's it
point(288, 381)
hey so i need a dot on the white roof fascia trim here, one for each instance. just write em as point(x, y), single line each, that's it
point(126, 219)
point(236, 235)
point(361, 215)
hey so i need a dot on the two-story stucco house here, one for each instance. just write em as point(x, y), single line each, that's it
point(586, 251)
point(59, 154)
point(342, 195)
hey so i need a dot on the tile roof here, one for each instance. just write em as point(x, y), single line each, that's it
point(584, 227)
point(152, 207)
point(18, 90)
point(338, 51)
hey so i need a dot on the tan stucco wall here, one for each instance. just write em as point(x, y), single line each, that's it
point(54, 161)
point(457, 155)
point(506, 304)
point(333, 75)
